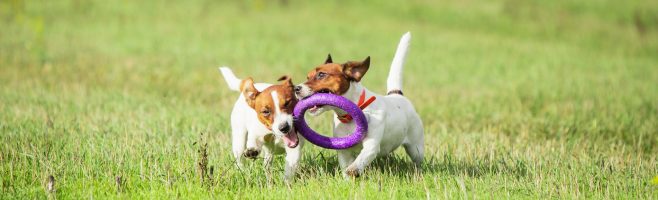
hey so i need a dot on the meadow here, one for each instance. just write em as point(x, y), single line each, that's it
point(520, 99)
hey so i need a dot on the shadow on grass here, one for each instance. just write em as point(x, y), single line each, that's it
point(400, 166)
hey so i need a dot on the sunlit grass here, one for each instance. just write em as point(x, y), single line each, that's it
point(520, 99)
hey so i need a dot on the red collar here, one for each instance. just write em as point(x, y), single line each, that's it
point(347, 118)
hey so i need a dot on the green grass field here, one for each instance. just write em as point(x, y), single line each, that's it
point(520, 99)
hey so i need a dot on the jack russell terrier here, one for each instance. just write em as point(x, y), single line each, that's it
point(261, 110)
point(392, 119)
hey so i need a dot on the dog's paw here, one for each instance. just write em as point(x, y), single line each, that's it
point(289, 180)
point(251, 153)
point(352, 172)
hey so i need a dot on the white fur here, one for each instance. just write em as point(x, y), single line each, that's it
point(392, 122)
point(248, 132)
point(394, 81)
point(232, 81)
point(280, 118)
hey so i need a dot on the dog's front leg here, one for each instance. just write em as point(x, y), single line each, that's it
point(367, 154)
point(254, 144)
point(239, 140)
point(293, 155)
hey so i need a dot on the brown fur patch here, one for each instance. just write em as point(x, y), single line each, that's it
point(249, 91)
point(242, 84)
point(355, 70)
point(335, 78)
point(263, 103)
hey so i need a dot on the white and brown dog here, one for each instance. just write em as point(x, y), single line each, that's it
point(392, 119)
point(262, 120)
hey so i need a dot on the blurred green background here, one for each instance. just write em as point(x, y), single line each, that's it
point(521, 99)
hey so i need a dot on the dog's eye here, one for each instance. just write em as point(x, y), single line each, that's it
point(265, 112)
point(286, 104)
point(320, 75)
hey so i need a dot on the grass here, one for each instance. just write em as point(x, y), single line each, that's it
point(520, 99)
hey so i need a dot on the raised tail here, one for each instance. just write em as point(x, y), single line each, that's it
point(394, 80)
point(232, 81)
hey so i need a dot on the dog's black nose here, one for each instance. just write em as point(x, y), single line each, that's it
point(298, 88)
point(284, 128)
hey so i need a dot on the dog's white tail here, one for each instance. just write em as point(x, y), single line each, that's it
point(394, 81)
point(232, 81)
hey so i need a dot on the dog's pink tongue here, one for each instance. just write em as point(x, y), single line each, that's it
point(291, 139)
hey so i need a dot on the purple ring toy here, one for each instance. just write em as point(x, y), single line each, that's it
point(334, 100)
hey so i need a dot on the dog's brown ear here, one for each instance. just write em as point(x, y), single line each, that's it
point(355, 70)
point(249, 91)
point(286, 81)
point(328, 59)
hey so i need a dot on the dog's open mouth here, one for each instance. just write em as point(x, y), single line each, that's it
point(315, 109)
point(291, 139)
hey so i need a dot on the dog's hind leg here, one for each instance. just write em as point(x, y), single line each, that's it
point(415, 145)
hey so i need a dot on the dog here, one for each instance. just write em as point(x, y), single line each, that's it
point(262, 119)
point(392, 119)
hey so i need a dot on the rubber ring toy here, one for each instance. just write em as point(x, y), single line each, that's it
point(334, 100)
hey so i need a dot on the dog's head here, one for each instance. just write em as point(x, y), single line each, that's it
point(274, 107)
point(331, 78)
